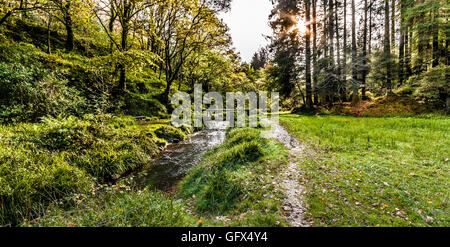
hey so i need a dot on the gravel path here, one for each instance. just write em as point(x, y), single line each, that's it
point(293, 203)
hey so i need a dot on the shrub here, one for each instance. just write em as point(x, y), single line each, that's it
point(28, 93)
point(170, 133)
point(102, 148)
point(432, 85)
point(143, 105)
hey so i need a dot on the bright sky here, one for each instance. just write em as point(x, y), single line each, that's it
point(248, 22)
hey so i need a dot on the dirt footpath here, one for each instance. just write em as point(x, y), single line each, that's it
point(288, 181)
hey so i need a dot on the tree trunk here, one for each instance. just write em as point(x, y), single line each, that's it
point(447, 104)
point(393, 23)
point(354, 54)
point(364, 55)
point(122, 70)
point(49, 50)
point(344, 62)
point(387, 45)
point(111, 29)
point(422, 41)
point(401, 47)
point(370, 27)
point(331, 30)
point(338, 47)
point(25, 5)
point(68, 23)
point(165, 96)
point(435, 33)
point(308, 54)
point(315, 73)
point(69, 31)
point(408, 50)
point(8, 14)
point(325, 28)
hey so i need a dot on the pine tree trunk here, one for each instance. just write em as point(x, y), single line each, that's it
point(315, 67)
point(331, 30)
point(354, 54)
point(370, 27)
point(435, 28)
point(408, 50)
point(344, 59)
point(338, 48)
point(401, 47)
point(393, 23)
point(387, 45)
point(308, 54)
point(364, 55)
point(325, 29)
point(422, 42)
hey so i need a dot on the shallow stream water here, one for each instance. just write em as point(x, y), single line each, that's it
point(178, 158)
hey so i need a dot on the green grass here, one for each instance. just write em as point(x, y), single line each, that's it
point(233, 185)
point(45, 162)
point(118, 206)
point(375, 171)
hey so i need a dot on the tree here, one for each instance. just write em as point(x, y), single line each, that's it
point(401, 53)
point(354, 56)
point(315, 65)
point(308, 54)
point(364, 53)
point(344, 59)
point(190, 26)
point(19, 6)
point(393, 23)
point(259, 59)
point(65, 10)
point(338, 48)
point(126, 11)
point(387, 46)
point(286, 50)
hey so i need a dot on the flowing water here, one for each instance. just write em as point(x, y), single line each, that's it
point(178, 158)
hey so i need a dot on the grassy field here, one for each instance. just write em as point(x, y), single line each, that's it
point(375, 171)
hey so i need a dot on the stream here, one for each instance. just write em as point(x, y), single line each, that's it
point(178, 158)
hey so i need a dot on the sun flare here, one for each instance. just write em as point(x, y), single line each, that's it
point(300, 26)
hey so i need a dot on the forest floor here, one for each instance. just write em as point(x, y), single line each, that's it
point(383, 106)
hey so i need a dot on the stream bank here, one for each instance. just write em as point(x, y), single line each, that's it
point(172, 164)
